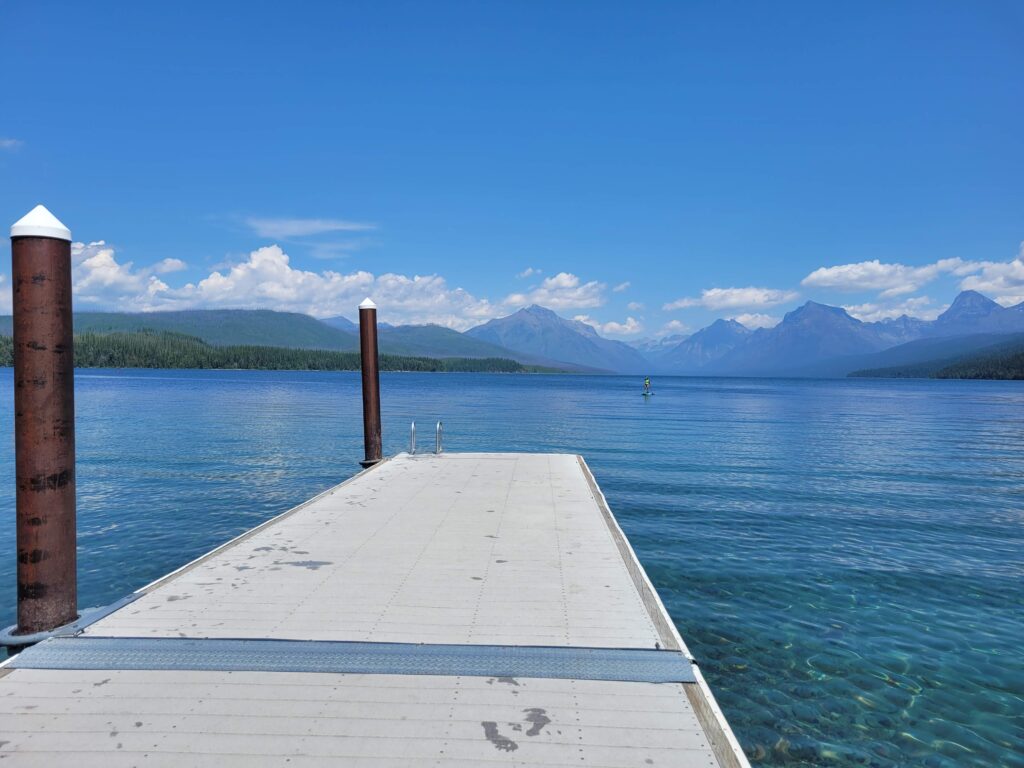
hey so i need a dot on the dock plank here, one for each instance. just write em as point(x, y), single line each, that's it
point(472, 549)
point(462, 549)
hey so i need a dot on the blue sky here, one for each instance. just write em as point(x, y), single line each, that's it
point(670, 163)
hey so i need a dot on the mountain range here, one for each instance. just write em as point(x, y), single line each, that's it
point(819, 340)
point(812, 340)
point(536, 330)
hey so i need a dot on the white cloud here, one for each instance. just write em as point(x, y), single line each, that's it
point(919, 306)
point(335, 251)
point(282, 229)
point(5, 296)
point(889, 279)
point(562, 291)
point(11, 144)
point(673, 327)
point(621, 287)
point(267, 280)
point(734, 298)
point(630, 327)
point(635, 306)
point(1002, 280)
point(528, 272)
point(166, 266)
point(755, 320)
point(99, 279)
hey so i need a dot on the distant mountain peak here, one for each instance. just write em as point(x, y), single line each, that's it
point(539, 311)
point(971, 312)
point(972, 295)
point(540, 331)
point(722, 329)
point(707, 345)
point(970, 304)
point(729, 323)
point(811, 309)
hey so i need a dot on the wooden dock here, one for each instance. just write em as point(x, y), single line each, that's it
point(438, 610)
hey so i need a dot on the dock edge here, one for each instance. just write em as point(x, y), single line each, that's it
point(724, 743)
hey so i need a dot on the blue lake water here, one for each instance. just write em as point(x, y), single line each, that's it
point(844, 558)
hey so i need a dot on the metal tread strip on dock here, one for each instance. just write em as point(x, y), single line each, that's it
point(639, 665)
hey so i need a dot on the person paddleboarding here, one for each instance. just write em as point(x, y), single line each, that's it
point(647, 386)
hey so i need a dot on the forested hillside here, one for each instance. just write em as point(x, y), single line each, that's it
point(220, 327)
point(149, 349)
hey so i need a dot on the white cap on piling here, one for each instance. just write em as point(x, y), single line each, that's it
point(367, 304)
point(39, 222)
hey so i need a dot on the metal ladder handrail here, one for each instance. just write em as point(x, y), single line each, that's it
point(438, 438)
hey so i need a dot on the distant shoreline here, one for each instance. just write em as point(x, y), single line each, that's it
point(148, 350)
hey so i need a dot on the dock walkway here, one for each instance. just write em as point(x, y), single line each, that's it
point(410, 589)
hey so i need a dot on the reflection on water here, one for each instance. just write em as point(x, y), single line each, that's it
point(844, 558)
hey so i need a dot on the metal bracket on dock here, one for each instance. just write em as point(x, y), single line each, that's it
point(87, 617)
point(635, 665)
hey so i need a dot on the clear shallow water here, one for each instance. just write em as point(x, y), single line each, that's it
point(844, 558)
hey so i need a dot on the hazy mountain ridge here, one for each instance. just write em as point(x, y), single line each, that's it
point(810, 332)
point(705, 347)
point(220, 327)
point(539, 331)
point(652, 346)
point(978, 357)
point(917, 352)
point(291, 330)
point(972, 312)
point(812, 340)
point(820, 340)
point(438, 341)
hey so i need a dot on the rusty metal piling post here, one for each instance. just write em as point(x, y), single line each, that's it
point(44, 422)
point(371, 383)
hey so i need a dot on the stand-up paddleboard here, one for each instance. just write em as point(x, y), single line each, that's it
point(647, 394)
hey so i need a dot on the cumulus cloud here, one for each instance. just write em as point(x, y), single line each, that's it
point(920, 307)
point(99, 279)
point(266, 279)
point(11, 144)
point(1002, 280)
point(734, 298)
point(630, 327)
point(754, 320)
point(673, 327)
point(634, 306)
point(621, 287)
point(562, 291)
point(282, 229)
point(528, 272)
point(889, 279)
point(166, 266)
